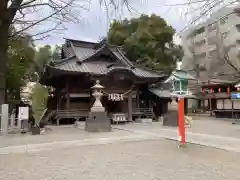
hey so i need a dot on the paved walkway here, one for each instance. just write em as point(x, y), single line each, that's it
point(32, 148)
point(211, 140)
point(217, 134)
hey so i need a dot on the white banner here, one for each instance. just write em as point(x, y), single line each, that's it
point(23, 113)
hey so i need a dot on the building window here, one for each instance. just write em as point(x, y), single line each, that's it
point(225, 35)
point(200, 43)
point(200, 57)
point(212, 40)
point(224, 20)
point(198, 31)
point(212, 27)
point(237, 11)
point(213, 54)
point(202, 67)
point(238, 27)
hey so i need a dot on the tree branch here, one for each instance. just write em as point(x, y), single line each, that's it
point(45, 18)
point(12, 10)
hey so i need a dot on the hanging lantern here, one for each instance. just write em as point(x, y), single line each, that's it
point(212, 91)
point(51, 95)
point(219, 89)
point(51, 89)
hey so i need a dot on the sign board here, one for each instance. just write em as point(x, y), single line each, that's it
point(23, 113)
point(235, 96)
point(115, 97)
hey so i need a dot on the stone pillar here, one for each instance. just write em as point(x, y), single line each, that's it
point(12, 122)
point(4, 119)
point(130, 106)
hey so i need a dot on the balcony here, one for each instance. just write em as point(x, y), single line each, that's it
point(199, 37)
point(237, 11)
point(212, 33)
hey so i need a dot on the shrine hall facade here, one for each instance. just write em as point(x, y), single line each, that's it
point(81, 64)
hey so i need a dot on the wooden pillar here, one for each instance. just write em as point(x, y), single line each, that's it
point(210, 105)
point(203, 105)
point(68, 98)
point(58, 123)
point(58, 94)
point(130, 106)
point(137, 99)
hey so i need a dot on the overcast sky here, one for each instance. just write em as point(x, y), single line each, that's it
point(95, 22)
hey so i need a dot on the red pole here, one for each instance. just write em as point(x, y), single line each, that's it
point(181, 121)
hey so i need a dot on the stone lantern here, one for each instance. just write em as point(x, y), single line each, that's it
point(97, 120)
point(97, 106)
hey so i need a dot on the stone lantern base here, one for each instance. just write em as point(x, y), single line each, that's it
point(98, 122)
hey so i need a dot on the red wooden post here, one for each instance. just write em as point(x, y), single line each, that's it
point(181, 121)
point(228, 90)
point(203, 91)
point(212, 91)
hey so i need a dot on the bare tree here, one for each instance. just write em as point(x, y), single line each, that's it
point(26, 14)
point(196, 11)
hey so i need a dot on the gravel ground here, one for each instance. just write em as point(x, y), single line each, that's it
point(201, 125)
point(62, 133)
point(155, 160)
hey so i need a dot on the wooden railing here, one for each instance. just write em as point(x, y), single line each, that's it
point(71, 113)
point(147, 112)
point(76, 114)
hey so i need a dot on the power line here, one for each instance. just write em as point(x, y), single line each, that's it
point(205, 13)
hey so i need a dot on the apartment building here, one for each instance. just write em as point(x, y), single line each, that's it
point(213, 45)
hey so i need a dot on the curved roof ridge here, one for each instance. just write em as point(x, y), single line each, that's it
point(127, 61)
point(137, 65)
point(96, 53)
point(81, 41)
point(147, 69)
point(186, 75)
point(63, 61)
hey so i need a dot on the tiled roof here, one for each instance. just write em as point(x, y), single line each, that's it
point(79, 60)
point(183, 75)
point(83, 53)
point(101, 68)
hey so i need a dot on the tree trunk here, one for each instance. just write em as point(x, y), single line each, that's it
point(3, 61)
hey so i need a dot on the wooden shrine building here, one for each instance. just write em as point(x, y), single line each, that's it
point(81, 64)
point(216, 97)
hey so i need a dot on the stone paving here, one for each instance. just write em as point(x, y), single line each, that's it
point(209, 132)
point(214, 133)
point(62, 133)
point(214, 126)
point(145, 160)
point(132, 151)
